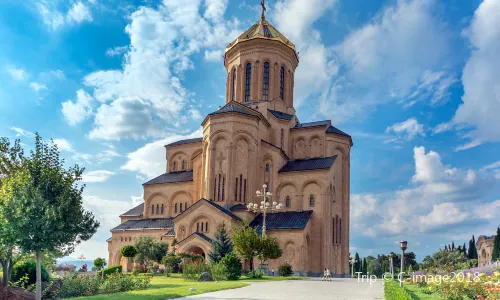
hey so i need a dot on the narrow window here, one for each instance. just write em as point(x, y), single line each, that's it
point(236, 191)
point(282, 141)
point(241, 183)
point(183, 165)
point(175, 166)
point(265, 95)
point(122, 239)
point(233, 92)
point(223, 185)
point(201, 226)
point(206, 226)
point(282, 83)
point(197, 227)
point(248, 80)
point(175, 208)
point(334, 229)
point(340, 231)
point(180, 207)
point(218, 190)
point(153, 209)
point(245, 191)
point(185, 206)
point(287, 201)
point(215, 187)
point(267, 168)
point(311, 200)
point(162, 208)
point(157, 209)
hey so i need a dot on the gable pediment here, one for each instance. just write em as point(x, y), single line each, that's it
point(202, 205)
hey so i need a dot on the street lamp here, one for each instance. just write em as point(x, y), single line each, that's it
point(403, 245)
point(264, 207)
point(391, 261)
point(81, 258)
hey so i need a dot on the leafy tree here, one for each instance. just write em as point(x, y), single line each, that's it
point(375, 267)
point(128, 251)
point(171, 263)
point(268, 249)
point(357, 264)
point(496, 246)
point(221, 245)
point(365, 268)
point(11, 157)
point(174, 245)
point(452, 245)
point(46, 211)
point(149, 251)
point(444, 258)
point(28, 268)
point(99, 263)
point(232, 266)
point(246, 242)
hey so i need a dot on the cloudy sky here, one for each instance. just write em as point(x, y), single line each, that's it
point(416, 84)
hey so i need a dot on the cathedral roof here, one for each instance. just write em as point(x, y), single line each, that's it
point(180, 176)
point(233, 107)
point(283, 220)
point(332, 129)
point(281, 115)
point(262, 30)
point(171, 232)
point(238, 206)
point(313, 124)
point(196, 234)
point(308, 164)
point(145, 224)
point(134, 212)
point(187, 141)
point(203, 200)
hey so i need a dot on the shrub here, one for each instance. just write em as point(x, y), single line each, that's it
point(232, 266)
point(285, 270)
point(111, 270)
point(255, 274)
point(128, 251)
point(117, 283)
point(189, 272)
point(99, 263)
point(394, 292)
point(28, 268)
point(218, 271)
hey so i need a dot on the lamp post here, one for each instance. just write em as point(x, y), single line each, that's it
point(81, 258)
point(264, 207)
point(391, 261)
point(403, 245)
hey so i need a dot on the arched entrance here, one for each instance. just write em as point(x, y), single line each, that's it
point(196, 250)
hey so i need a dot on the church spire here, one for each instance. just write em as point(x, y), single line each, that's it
point(263, 4)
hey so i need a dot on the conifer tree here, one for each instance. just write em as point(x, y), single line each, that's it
point(464, 250)
point(474, 248)
point(445, 247)
point(470, 253)
point(452, 245)
point(365, 269)
point(357, 263)
point(496, 246)
point(221, 244)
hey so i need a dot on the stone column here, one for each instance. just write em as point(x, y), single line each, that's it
point(276, 81)
point(288, 88)
point(292, 84)
point(230, 176)
point(210, 172)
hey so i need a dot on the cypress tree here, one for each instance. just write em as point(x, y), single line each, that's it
point(496, 246)
point(464, 250)
point(221, 245)
point(474, 247)
point(470, 253)
point(452, 245)
point(445, 247)
point(357, 263)
point(365, 269)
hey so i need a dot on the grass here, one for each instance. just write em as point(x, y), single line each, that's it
point(418, 293)
point(173, 287)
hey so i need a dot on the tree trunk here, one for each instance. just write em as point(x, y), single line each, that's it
point(38, 276)
point(5, 271)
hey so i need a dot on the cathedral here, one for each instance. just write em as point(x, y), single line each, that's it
point(255, 139)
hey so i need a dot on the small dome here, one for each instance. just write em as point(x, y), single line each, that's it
point(262, 30)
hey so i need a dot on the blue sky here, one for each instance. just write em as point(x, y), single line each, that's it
point(414, 82)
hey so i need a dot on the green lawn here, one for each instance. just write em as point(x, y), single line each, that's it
point(174, 287)
point(418, 294)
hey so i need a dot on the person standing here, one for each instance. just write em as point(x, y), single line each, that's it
point(328, 276)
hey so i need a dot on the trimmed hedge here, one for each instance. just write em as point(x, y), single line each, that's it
point(392, 291)
point(111, 270)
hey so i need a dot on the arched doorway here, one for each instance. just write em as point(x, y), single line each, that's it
point(196, 250)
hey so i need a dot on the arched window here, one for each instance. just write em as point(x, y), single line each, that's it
point(267, 168)
point(197, 227)
point(201, 226)
point(175, 208)
point(265, 95)
point(233, 91)
point(206, 226)
point(282, 139)
point(248, 81)
point(183, 165)
point(282, 83)
point(311, 200)
point(185, 206)
point(175, 166)
point(162, 208)
point(157, 209)
point(287, 202)
point(153, 209)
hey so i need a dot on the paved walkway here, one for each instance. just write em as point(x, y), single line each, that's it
point(309, 289)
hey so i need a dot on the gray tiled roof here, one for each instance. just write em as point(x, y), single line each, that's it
point(281, 115)
point(206, 238)
point(230, 107)
point(313, 124)
point(187, 141)
point(308, 164)
point(172, 177)
point(222, 209)
point(238, 207)
point(332, 129)
point(145, 224)
point(134, 212)
point(171, 232)
point(283, 220)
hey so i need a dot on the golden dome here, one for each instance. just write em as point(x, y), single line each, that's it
point(262, 30)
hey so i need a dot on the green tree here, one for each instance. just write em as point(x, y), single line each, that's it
point(496, 246)
point(47, 211)
point(149, 251)
point(99, 263)
point(128, 251)
point(11, 157)
point(171, 262)
point(268, 249)
point(365, 268)
point(232, 266)
point(357, 264)
point(174, 246)
point(375, 267)
point(221, 245)
point(464, 250)
point(246, 242)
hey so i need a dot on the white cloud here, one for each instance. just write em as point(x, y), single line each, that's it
point(215, 9)
point(149, 160)
point(97, 176)
point(469, 145)
point(63, 145)
point(50, 15)
point(409, 128)
point(400, 55)
point(21, 132)
point(481, 99)
point(116, 51)
point(442, 214)
point(17, 73)
point(37, 86)
point(79, 12)
point(79, 110)
point(213, 55)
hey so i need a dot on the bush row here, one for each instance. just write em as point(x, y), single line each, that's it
point(392, 291)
